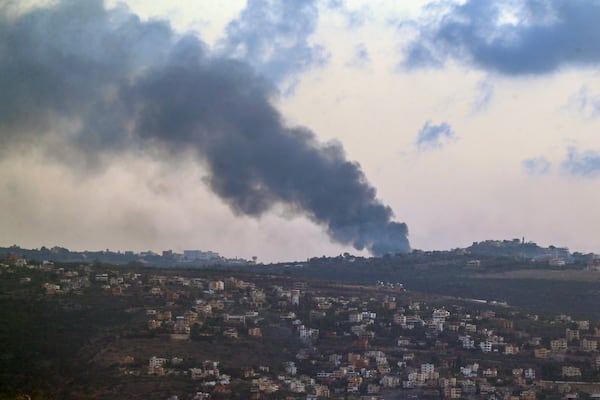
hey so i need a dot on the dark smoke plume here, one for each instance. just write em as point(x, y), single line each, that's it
point(104, 82)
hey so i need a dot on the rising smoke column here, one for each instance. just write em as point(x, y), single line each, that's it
point(108, 82)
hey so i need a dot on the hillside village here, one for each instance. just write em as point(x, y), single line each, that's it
point(338, 341)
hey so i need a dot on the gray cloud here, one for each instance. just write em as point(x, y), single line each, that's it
point(433, 136)
point(354, 18)
point(485, 93)
point(273, 37)
point(361, 57)
point(584, 164)
point(537, 166)
point(102, 82)
point(544, 36)
point(585, 103)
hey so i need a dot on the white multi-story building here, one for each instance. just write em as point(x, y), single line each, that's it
point(155, 365)
point(439, 316)
point(369, 315)
point(156, 362)
point(427, 369)
point(355, 317)
point(200, 255)
point(400, 319)
point(470, 371)
point(467, 342)
point(295, 297)
point(571, 372)
point(486, 346)
point(529, 373)
point(290, 368)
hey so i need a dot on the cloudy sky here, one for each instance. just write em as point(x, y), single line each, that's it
point(470, 120)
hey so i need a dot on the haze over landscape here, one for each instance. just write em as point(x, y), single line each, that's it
point(292, 129)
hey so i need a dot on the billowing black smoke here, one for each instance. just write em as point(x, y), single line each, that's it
point(110, 83)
